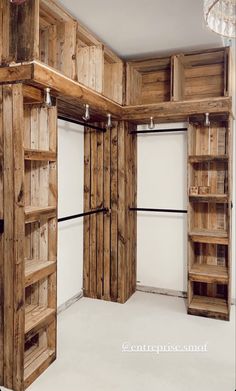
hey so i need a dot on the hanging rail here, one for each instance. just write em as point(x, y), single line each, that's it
point(91, 212)
point(159, 210)
point(158, 131)
point(83, 123)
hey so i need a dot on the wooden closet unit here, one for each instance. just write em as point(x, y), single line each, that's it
point(43, 46)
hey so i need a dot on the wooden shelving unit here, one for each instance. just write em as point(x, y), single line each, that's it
point(40, 249)
point(53, 50)
point(209, 263)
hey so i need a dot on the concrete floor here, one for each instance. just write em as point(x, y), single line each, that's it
point(90, 358)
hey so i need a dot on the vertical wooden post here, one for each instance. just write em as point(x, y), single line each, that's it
point(110, 240)
point(13, 236)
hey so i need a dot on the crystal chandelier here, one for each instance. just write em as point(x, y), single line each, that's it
point(220, 16)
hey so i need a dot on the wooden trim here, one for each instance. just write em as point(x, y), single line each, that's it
point(172, 110)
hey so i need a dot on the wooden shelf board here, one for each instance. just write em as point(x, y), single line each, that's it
point(37, 270)
point(37, 317)
point(209, 273)
point(68, 91)
point(34, 213)
point(36, 363)
point(209, 306)
point(207, 158)
point(218, 198)
point(205, 236)
point(141, 113)
point(39, 155)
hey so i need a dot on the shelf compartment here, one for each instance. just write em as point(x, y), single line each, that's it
point(149, 81)
point(38, 356)
point(98, 67)
point(34, 213)
point(209, 307)
point(218, 198)
point(209, 273)
point(211, 177)
point(37, 317)
point(208, 141)
point(38, 270)
point(39, 155)
point(208, 219)
point(57, 38)
point(209, 299)
point(205, 74)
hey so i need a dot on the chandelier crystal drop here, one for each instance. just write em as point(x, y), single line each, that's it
point(220, 16)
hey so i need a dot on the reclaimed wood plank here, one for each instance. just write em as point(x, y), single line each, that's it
point(87, 190)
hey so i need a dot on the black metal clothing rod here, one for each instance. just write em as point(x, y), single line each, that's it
point(158, 131)
point(91, 212)
point(73, 121)
point(159, 210)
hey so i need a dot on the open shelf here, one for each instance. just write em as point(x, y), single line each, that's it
point(37, 362)
point(205, 74)
point(98, 67)
point(57, 38)
point(206, 236)
point(149, 81)
point(208, 273)
point(209, 307)
point(37, 317)
point(209, 299)
point(34, 213)
point(207, 158)
point(38, 155)
point(38, 355)
point(38, 270)
point(218, 198)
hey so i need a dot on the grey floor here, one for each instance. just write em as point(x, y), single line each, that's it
point(90, 358)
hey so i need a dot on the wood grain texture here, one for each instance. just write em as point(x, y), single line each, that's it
point(110, 239)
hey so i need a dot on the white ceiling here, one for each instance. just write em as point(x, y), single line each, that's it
point(144, 27)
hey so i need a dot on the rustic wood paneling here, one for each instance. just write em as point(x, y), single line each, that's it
point(110, 239)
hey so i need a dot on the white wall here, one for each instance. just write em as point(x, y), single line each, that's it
point(162, 183)
point(70, 235)
point(162, 238)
